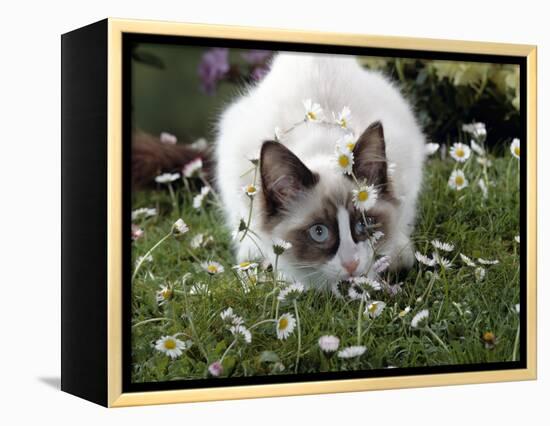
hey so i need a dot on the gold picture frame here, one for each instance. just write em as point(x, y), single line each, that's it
point(115, 396)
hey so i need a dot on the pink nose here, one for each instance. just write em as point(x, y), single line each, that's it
point(351, 266)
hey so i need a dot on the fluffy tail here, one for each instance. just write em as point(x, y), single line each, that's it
point(151, 157)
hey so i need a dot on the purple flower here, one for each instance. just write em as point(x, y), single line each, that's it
point(213, 67)
point(258, 73)
point(381, 264)
point(256, 57)
point(216, 368)
point(137, 232)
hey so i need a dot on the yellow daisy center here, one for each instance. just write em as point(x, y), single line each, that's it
point(459, 180)
point(459, 152)
point(343, 123)
point(343, 161)
point(363, 196)
point(170, 344)
point(311, 115)
point(244, 264)
point(283, 324)
point(516, 150)
point(251, 189)
point(167, 293)
point(488, 336)
point(372, 308)
point(212, 269)
point(350, 145)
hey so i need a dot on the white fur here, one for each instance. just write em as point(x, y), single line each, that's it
point(334, 82)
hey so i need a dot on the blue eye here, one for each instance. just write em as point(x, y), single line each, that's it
point(360, 228)
point(318, 233)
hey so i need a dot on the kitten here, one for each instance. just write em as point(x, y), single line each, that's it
point(302, 197)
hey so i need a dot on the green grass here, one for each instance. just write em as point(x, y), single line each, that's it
point(461, 309)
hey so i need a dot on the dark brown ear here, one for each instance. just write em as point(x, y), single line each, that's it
point(369, 157)
point(284, 176)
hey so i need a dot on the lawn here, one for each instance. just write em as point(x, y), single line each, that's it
point(472, 315)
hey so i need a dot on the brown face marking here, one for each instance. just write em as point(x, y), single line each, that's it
point(370, 162)
point(307, 250)
point(377, 220)
point(284, 179)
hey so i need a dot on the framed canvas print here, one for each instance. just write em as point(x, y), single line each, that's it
point(250, 212)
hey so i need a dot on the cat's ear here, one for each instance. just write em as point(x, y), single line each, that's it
point(369, 156)
point(284, 176)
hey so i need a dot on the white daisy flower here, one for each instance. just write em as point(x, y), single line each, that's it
point(344, 118)
point(285, 326)
point(143, 212)
point(290, 292)
point(374, 309)
point(431, 148)
point(192, 168)
point(245, 266)
point(228, 316)
point(478, 149)
point(170, 346)
point(250, 190)
point(164, 294)
point(314, 112)
point(514, 148)
point(483, 186)
point(352, 352)
point(355, 292)
point(516, 239)
point(240, 331)
point(199, 288)
point(479, 274)
point(280, 246)
point(198, 199)
point(425, 260)
point(200, 240)
point(212, 267)
point(335, 290)
point(487, 262)
point(142, 259)
point(167, 177)
point(467, 260)
point(460, 152)
point(404, 312)
point(346, 142)
point(448, 247)
point(420, 317)
point(343, 160)
point(329, 343)
point(457, 180)
point(477, 130)
point(376, 236)
point(443, 262)
point(364, 197)
point(179, 227)
point(367, 282)
point(381, 264)
point(168, 138)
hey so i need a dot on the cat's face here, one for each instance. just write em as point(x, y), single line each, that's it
point(313, 210)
